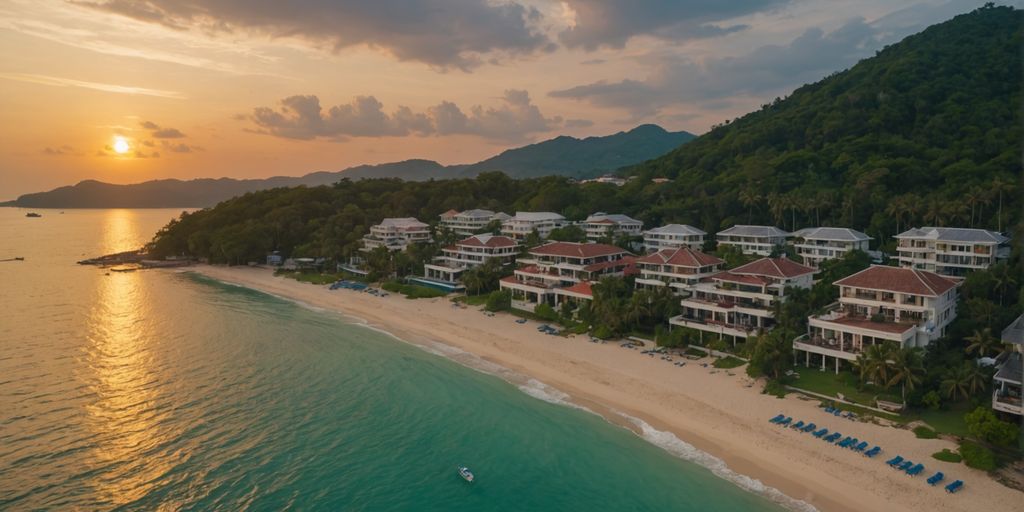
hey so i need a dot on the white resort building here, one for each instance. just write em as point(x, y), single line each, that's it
point(468, 253)
point(876, 305)
point(396, 234)
point(677, 268)
point(523, 223)
point(561, 271)
point(1008, 380)
point(950, 251)
point(754, 240)
point(607, 225)
point(673, 236)
point(815, 245)
point(470, 222)
point(741, 302)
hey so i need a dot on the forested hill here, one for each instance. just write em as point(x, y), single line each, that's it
point(926, 131)
point(583, 158)
point(561, 156)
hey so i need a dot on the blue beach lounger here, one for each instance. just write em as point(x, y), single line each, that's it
point(778, 418)
point(955, 486)
point(799, 424)
point(820, 433)
point(787, 421)
point(809, 427)
point(936, 478)
point(914, 471)
point(860, 447)
point(872, 452)
point(905, 466)
point(895, 460)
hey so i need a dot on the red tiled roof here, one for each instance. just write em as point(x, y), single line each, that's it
point(773, 267)
point(682, 257)
point(742, 278)
point(577, 250)
point(582, 288)
point(897, 279)
point(450, 213)
point(489, 241)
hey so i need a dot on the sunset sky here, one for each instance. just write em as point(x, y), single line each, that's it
point(131, 90)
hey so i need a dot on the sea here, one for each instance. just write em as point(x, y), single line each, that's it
point(164, 390)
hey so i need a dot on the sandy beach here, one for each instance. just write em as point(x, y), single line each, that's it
point(711, 410)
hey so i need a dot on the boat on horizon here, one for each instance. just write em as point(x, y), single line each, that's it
point(33, 214)
point(466, 474)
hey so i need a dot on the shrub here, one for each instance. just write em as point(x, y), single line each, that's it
point(500, 300)
point(392, 286)
point(545, 312)
point(983, 424)
point(923, 432)
point(420, 292)
point(728, 362)
point(977, 456)
point(932, 400)
point(774, 387)
point(602, 331)
point(947, 456)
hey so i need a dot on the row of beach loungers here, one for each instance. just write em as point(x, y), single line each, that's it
point(897, 462)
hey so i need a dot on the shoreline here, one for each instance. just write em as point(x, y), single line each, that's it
point(677, 409)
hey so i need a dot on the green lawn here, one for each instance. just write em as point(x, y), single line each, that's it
point(313, 277)
point(829, 384)
point(728, 362)
point(950, 421)
point(472, 300)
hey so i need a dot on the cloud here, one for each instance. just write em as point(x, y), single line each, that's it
point(149, 125)
point(64, 150)
point(611, 23)
point(443, 33)
point(167, 133)
point(715, 81)
point(593, 62)
point(302, 117)
point(96, 86)
point(179, 147)
point(578, 123)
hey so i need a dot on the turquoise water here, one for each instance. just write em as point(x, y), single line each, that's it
point(159, 390)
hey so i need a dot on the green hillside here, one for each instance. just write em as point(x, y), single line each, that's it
point(928, 131)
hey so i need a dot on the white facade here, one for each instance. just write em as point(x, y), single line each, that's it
point(753, 240)
point(679, 269)
point(469, 253)
point(470, 222)
point(396, 234)
point(950, 251)
point(815, 245)
point(673, 236)
point(523, 223)
point(880, 304)
point(553, 271)
point(741, 302)
point(604, 225)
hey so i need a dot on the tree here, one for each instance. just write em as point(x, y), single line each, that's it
point(982, 342)
point(570, 233)
point(771, 353)
point(983, 424)
point(873, 364)
point(499, 300)
point(999, 186)
point(956, 385)
point(905, 364)
point(750, 198)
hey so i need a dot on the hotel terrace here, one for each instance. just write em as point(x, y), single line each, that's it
point(673, 236)
point(876, 305)
point(741, 302)
point(677, 268)
point(523, 223)
point(561, 271)
point(470, 222)
point(605, 225)
point(468, 253)
point(1008, 380)
point(815, 245)
point(754, 240)
point(950, 251)
point(396, 234)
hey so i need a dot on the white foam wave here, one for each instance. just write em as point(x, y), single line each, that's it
point(686, 451)
point(541, 391)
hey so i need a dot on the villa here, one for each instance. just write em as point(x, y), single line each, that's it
point(469, 253)
point(396, 234)
point(470, 222)
point(604, 225)
point(561, 271)
point(950, 251)
point(673, 236)
point(1008, 380)
point(678, 269)
point(523, 223)
point(876, 305)
point(815, 245)
point(753, 240)
point(741, 302)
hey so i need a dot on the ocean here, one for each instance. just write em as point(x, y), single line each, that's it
point(162, 390)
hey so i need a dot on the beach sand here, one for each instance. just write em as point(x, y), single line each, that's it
point(715, 412)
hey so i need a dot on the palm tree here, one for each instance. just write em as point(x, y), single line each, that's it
point(750, 198)
point(999, 185)
point(896, 208)
point(1004, 279)
point(974, 197)
point(777, 204)
point(872, 364)
point(956, 384)
point(982, 342)
point(935, 211)
point(906, 366)
point(977, 378)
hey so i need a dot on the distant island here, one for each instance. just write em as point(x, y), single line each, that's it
point(560, 156)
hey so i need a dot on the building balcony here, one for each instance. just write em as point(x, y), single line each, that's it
point(828, 347)
point(1008, 404)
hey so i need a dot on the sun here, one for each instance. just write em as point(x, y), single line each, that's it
point(121, 145)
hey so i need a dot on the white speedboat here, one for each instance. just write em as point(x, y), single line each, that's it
point(465, 473)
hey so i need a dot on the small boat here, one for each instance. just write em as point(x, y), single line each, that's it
point(466, 474)
point(32, 214)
